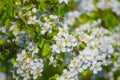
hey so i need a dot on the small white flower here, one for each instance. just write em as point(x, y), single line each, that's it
point(14, 29)
point(66, 1)
point(3, 76)
point(21, 56)
point(3, 29)
point(58, 47)
point(63, 30)
point(19, 71)
point(66, 74)
point(35, 49)
point(34, 10)
point(71, 17)
point(46, 27)
point(53, 61)
point(54, 17)
point(32, 20)
point(96, 66)
point(90, 6)
point(104, 4)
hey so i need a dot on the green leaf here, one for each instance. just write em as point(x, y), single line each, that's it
point(1, 41)
point(46, 49)
point(42, 6)
point(93, 14)
point(86, 72)
point(54, 77)
point(59, 11)
point(1, 7)
point(41, 43)
point(10, 8)
point(7, 22)
point(13, 60)
point(83, 45)
point(109, 19)
point(23, 19)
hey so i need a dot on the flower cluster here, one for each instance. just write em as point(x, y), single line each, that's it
point(71, 17)
point(114, 5)
point(81, 41)
point(97, 50)
point(48, 23)
point(67, 75)
point(32, 47)
point(64, 41)
point(26, 66)
point(90, 6)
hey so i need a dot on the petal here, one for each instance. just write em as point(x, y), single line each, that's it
point(43, 31)
point(58, 51)
point(35, 76)
point(63, 50)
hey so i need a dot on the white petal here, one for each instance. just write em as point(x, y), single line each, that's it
point(43, 31)
point(66, 1)
point(95, 71)
point(60, 1)
point(58, 51)
point(35, 76)
point(63, 50)
point(68, 44)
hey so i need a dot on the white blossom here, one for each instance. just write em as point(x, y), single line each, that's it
point(65, 1)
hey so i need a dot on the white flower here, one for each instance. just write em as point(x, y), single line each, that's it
point(84, 27)
point(46, 27)
point(29, 47)
point(104, 4)
point(3, 76)
point(34, 10)
point(53, 61)
point(96, 66)
point(84, 55)
point(116, 37)
point(54, 17)
point(32, 20)
point(3, 29)
point(116, 7)
point(29, 13)
point(66, 1)
point(37, 69)
point(14, 29)
point(74, 62)
point(83, 37)
point(107, 48)
point(68, 40)
point(95, 55)
point(58, 47)
point(21, 56)
point(63, 30)
point(19, 71)
point(90, 6)
point(66, 74)
point(74, 66)
point(35, 49)
point(71, 17)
